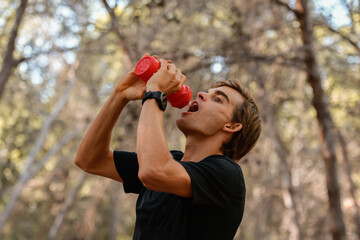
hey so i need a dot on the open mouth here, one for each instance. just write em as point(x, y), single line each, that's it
point(194, 107)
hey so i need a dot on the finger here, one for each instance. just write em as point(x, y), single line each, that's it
point(146, 54)
point(155, 56)
point(169, 61)
point(163, 65)
point(178, 74)
point(172, 68)
point(183, 79)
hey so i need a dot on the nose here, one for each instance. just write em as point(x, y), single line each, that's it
point(201, 95)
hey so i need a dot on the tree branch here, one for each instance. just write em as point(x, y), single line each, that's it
point(281, 3)
point(344, 37)
point(30, 159)
point(65, 208)
point(116, 29)
point(8, 60)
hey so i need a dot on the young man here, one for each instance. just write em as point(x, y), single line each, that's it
point(198, 194)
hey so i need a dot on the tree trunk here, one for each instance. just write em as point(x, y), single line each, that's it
point(87, 228)
point(8, 61)
point(287, 190)
point(324, 118)
point(291, 223)
point(115, 215)
point(27, 172)
point(352, 185)
point(67, 205)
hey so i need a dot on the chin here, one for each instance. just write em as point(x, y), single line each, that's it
point(183, 126)
point(179, 124)
point(189, 128)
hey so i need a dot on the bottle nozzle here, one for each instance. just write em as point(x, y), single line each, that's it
point(180, 98)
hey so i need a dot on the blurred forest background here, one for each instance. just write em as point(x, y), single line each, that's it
point(60, 61)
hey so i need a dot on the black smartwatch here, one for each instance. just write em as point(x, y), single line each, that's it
point(159, 96)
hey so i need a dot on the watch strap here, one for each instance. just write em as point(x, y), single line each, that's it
point(158, 96)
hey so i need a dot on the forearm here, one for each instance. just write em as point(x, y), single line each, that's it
point(155, 160)
point(152, 149)
point(96, 142)
point(158, 170)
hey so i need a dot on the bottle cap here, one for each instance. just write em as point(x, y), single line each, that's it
point(146, 67)
point(180, 98)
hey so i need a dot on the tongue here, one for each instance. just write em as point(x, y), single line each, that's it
point(193, 108)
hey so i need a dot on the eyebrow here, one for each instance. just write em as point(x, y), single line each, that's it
point(218, 92)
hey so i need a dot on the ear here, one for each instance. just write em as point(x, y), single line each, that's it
point(232, 127)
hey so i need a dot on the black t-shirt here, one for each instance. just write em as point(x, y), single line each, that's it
point(214, 212)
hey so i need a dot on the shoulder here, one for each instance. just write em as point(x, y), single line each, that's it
point(222, 160)
point(226, 171)
point(223, 163)
point(216, 180)
point(217, 166)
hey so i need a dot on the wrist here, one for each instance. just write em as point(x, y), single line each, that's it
point(152, 87)
point(130, 77)
point(120, 97)
point(158, 96)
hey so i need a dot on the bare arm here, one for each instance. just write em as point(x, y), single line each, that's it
point(157, 169)
point(94, 155)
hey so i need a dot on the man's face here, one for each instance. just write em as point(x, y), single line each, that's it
point(210, 111)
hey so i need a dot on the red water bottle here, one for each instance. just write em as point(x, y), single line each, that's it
point(149, 65)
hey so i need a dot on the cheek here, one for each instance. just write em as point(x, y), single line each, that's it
point(213, 123)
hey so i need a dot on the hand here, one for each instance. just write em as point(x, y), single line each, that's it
point(131, 86)
point(167, 79)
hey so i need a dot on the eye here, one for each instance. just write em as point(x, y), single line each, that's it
point(217, 99)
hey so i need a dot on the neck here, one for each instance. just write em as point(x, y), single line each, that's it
point(198, 149)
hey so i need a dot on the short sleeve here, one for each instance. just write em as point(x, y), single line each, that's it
point(216, 181)
point(127, 166)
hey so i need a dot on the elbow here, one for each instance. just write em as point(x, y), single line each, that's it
point(152, 174)
point(79, 158)
point(81, 163)
point(78, 162)
point(84, 159)
point(144, 176)
point(149, 178)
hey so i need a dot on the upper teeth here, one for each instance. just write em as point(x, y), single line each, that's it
point(193, 107)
